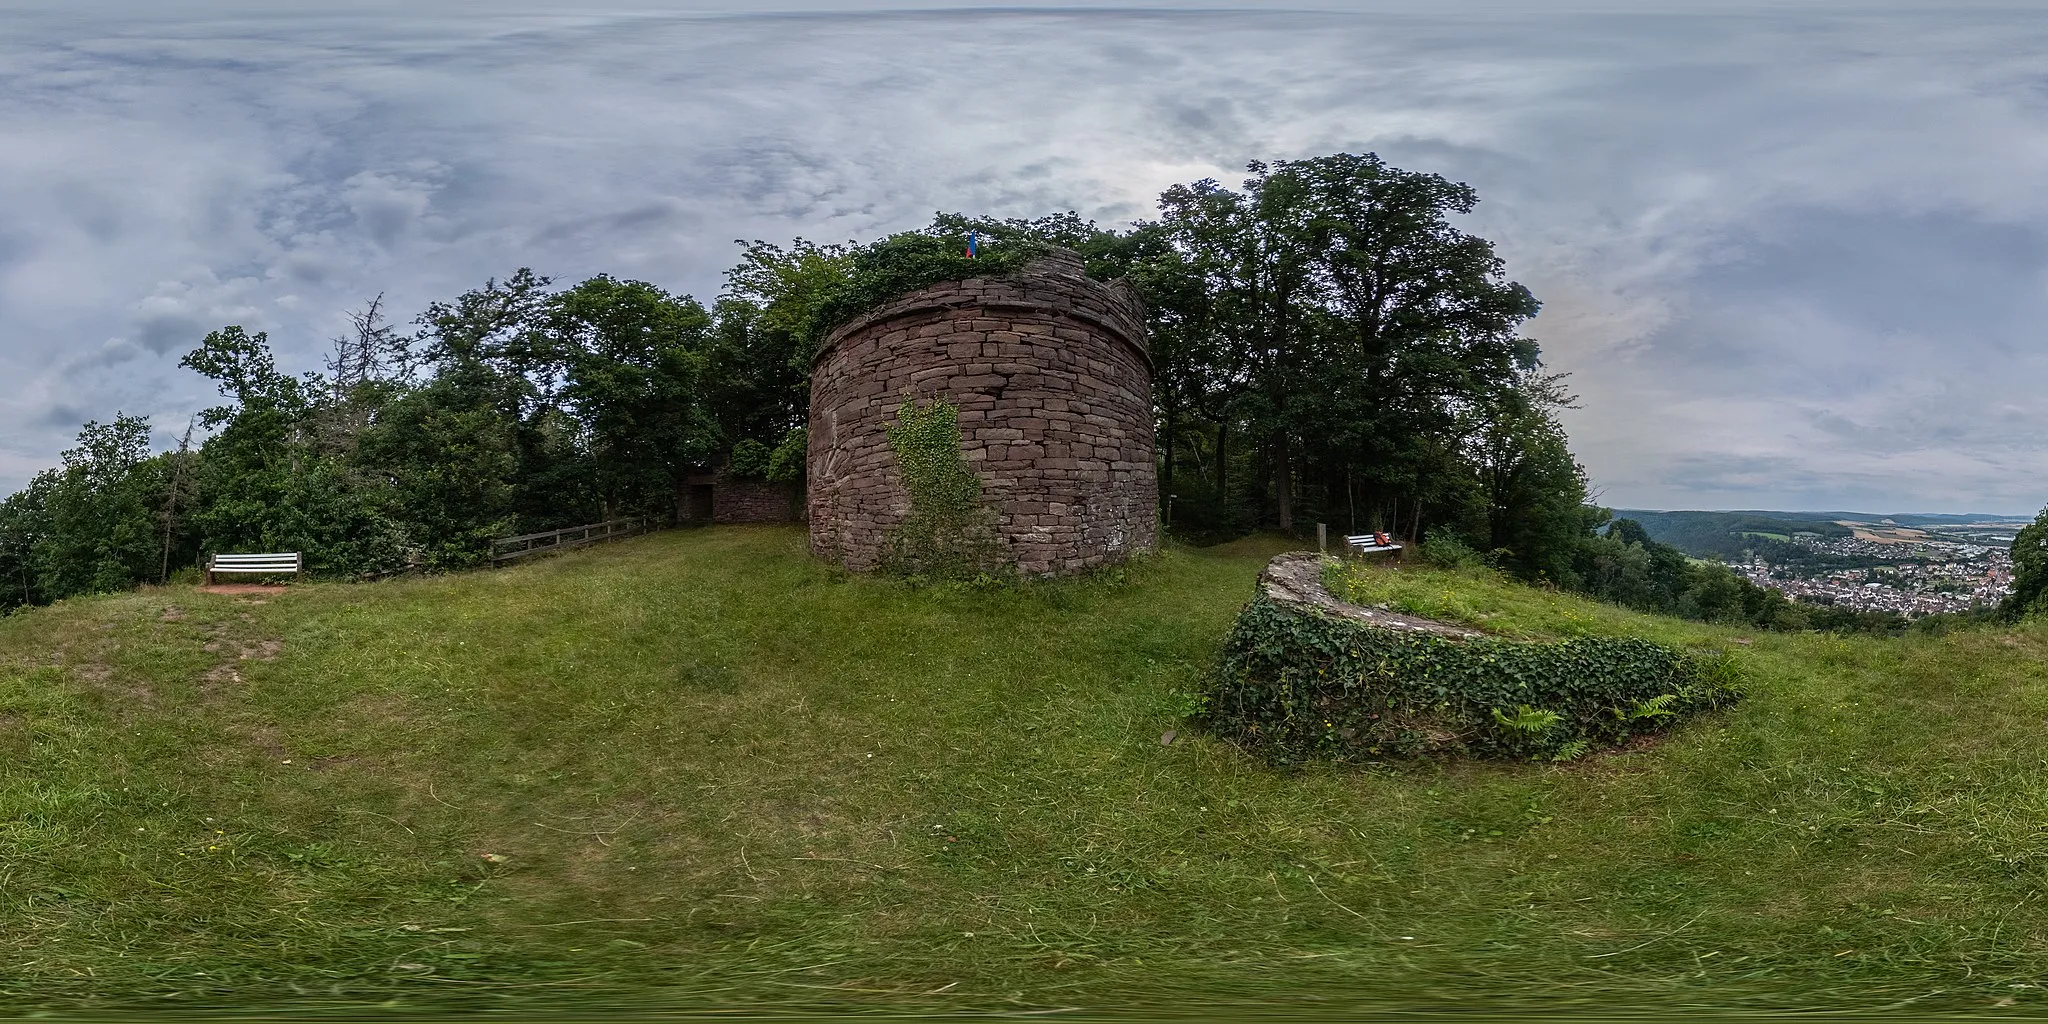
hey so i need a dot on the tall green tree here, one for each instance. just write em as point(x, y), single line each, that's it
point(2029, 569)
point(258, 444)
point(24, 527)
point(485, 446)
point(101, 522)
point(1535, 492)
point(634, 361)
point(1331, 310)
point(450, 458)
point(274, 476)
point(1243, 275)
point(1423, 326)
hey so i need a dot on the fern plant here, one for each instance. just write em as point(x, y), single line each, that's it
point(1527, 719)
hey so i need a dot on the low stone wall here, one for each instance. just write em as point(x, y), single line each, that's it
point(1295, 581)
point(739, 499)
point(1306, 676)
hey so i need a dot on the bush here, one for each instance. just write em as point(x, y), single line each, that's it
point(1449, 551)
point(786, 464)
point(2029, 570)
point(749, 458)
point(1293, 686)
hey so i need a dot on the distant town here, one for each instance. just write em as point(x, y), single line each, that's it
point(1887, 567)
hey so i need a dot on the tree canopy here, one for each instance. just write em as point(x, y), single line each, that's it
point(1329, 346)
point(2030, 568)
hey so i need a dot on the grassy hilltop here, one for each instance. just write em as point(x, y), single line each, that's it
point(699, 768)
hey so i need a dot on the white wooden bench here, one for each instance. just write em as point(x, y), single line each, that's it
point(1370, 543)
point(275, 564)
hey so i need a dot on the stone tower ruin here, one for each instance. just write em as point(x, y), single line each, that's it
point(1053, 381)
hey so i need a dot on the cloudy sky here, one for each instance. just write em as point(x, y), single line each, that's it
point(1794, 256)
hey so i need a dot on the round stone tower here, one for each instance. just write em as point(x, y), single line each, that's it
point(1053, 381)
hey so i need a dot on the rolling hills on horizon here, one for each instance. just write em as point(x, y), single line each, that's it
point(1900, 518)
point(1729, 534)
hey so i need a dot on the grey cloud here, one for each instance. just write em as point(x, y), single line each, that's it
point(387, 205)
point(1919, 272)
point(112, 353)
point(63, 417)
point(1840, 427)
point(1836, 345)
point(167, 334)
point(1789, 254)
point(647, 215)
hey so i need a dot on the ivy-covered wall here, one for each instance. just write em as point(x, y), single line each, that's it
point(948, 530)
point(1295, 682)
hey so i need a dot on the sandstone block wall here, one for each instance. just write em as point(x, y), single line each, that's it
point(1053, 380)
point(744, 500)
point(738, 499)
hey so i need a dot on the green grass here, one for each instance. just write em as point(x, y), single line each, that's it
point(708, 771)
point(1494, 603)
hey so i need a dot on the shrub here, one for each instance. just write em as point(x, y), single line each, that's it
point(749, 458)
point(2029, 570)
point(1449, 551)
point(781, 464)
point(1292, 686)
point(786, 463)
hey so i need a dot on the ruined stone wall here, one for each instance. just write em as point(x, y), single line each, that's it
point(1054, 384)
point(739, 499)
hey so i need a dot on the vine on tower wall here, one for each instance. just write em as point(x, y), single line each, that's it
point(948, 532)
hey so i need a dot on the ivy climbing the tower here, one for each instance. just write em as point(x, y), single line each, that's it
point(949, 532)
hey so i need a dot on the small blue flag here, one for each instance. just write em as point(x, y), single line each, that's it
point(972, 244)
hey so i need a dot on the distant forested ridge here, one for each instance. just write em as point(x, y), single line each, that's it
point(1623, 564)
point(1731, 534)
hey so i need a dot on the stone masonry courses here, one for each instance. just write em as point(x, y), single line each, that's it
point(1053, 380)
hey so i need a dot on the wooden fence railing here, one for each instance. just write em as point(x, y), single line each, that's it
point(506, 548)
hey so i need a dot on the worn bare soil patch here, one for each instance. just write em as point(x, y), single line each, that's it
point(243, 589)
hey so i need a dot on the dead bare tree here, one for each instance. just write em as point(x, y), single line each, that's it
point(171, 495)
point(366, 354)
point(372, 352)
